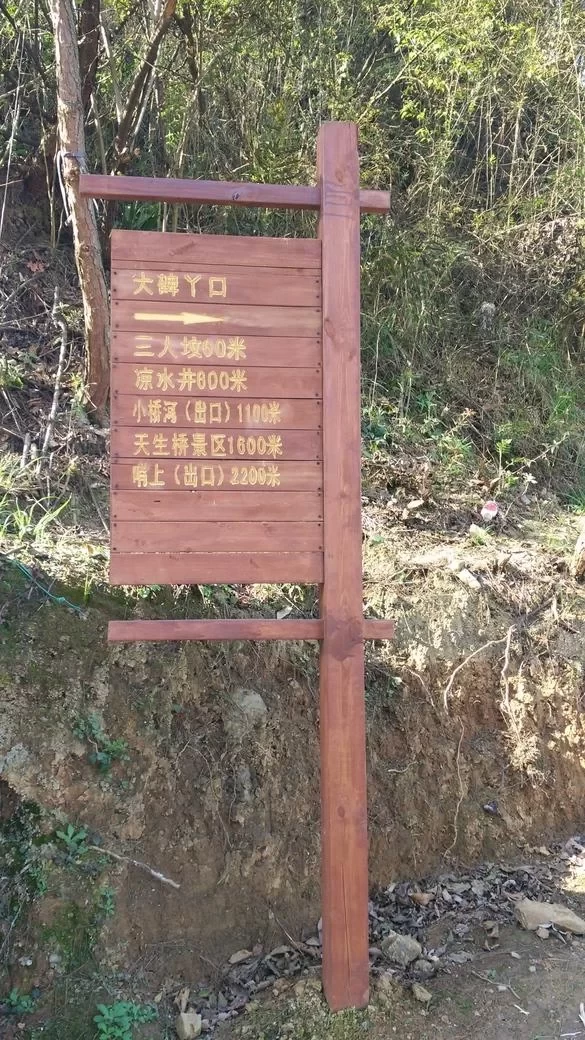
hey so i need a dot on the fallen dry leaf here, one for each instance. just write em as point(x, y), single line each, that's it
point(182, 998)
point(422, 898)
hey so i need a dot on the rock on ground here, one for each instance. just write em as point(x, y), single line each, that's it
point(401, 949)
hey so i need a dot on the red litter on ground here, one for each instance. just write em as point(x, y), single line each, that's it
point(490, 510)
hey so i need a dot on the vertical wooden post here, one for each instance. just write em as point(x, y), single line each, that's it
point(343, 753)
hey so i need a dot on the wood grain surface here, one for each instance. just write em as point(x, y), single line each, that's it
point(212, 630)
point(172, 475)
point(219, 193)
point(276, 286)
point(235, 250)
point(205, 381)
point(220, 630)
point(260, 320)
point(344, 869)
point(215, 568)
point(130, 442)
point(273, 415)
point(140, 506)
point(216, 536)
point(192, 348)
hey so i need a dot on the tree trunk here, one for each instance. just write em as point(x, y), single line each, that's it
point(85, 231)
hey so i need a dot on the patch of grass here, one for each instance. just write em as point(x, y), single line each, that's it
point(576, 500)
point(75, 931)
point(21, 863)
point(381, 690)
point(308, 1019)
point(11, 375)
point(72, 1018)
point(24, 514)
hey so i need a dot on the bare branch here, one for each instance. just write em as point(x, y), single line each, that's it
point(128, 124)
point(135, 863)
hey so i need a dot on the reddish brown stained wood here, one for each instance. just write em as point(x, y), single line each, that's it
point(173, 475)
point(292, 287)
point(188, 348)
point(379, 628)
point(140, 506)
point(374, 200)
point(181, 535)
point(221, 193)
point(137, 443)
point(237, 251)
point(214, 568)
point(131, 409)
point(343, 745)
point(234, 379)
point(211, 630)
point(196, 318)
point(228, 629)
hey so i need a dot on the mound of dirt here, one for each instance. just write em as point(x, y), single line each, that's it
point(475, 731)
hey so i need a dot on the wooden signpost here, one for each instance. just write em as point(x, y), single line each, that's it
point(236, 458)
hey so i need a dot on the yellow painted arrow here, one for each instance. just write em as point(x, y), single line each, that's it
point(185, 317)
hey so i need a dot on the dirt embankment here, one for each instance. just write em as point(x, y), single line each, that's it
point(476, 742)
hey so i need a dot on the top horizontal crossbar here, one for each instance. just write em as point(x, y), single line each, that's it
point(217, 193)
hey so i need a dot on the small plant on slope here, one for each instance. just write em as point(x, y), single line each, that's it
point(18, 1003)
point(105, 750)
point(115, 1021)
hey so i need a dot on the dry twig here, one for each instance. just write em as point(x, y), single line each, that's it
point(520, 624)
point(461, 794)
point(135, 863)
point(475, 653)
point(59, 321)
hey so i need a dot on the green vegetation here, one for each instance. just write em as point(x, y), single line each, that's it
point(105, 751)
point(75, 929)
point(23, 868)
point(74, 840)
point(473, 291)
point(19, 1003)
point(116, 1021)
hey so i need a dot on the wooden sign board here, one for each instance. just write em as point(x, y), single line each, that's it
point(217, 387)
point(236, 458)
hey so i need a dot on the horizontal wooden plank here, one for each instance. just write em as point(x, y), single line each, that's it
point(172, 475)
point(260, 320)
point(235, 250)
point(214, 630)
point(140, 506)
point(184, 381)
point(215, 568)
point(189, 348)
point(144, 281)
point(229, 413)
point(379, 628)
point(136, 443)
point(218, 193)
point(181, 535)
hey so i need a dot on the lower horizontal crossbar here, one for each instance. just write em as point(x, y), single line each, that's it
point(212, 630)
